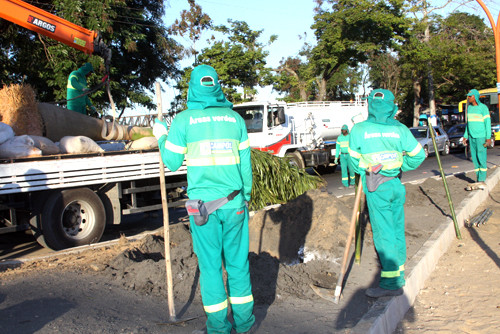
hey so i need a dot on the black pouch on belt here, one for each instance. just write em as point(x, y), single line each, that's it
point(374, 179)
point(201, 210)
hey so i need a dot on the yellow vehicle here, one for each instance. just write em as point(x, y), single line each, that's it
point(490, 98)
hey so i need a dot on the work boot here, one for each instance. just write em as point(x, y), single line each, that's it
point(381, 292)
point(351, 186)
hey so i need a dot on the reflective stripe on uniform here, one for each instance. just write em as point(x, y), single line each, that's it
point(216, 307)
point(175, 148)
point(483, 169)
point(392, 274)
point(415, 151)
point(354, 154)
point(475, 118)
point(212, 161)
point(69, 82)
point(244, 145)
point(241, 300)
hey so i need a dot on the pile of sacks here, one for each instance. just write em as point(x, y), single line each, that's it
point(15, 147)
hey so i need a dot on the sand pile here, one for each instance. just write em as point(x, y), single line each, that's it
point(315, 220)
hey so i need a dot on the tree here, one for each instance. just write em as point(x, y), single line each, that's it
point(240, 62)
point(463, 60)
point(351, 32)
point(142, 50)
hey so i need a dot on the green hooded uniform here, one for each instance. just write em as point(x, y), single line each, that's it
point(214, 141)
point(342, 150)
point(477, 131)
point(77, 85)
point(382, 140)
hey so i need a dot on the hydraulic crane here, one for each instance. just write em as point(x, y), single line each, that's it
point(50, 25)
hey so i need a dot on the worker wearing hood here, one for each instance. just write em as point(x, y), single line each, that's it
point(77, 85)
point(342, 151)
point(478, 132)
point(214, 141)
point(376, 148)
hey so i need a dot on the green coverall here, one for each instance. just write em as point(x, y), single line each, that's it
point(77, 85)
point(214, 141)
point(382, 140)
point(477, 131)
point(342, 150)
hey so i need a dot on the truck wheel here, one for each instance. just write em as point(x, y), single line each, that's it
point(295, 159)
point(72, 217)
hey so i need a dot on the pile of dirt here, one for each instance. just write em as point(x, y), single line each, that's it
point(312, 227)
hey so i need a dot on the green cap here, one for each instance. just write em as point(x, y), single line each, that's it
point(345, 127)
point(473, 92)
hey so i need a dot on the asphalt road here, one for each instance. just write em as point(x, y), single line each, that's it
point(22, 245)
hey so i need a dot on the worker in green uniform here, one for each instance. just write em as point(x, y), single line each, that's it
point(342, 150)
point(478, 133)
point(214, 140)
point(380, 149)
point(77, 85)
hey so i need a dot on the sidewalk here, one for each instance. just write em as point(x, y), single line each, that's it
point(462, 294)
point(475, 269)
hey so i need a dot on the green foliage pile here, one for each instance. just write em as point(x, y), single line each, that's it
point(275, 181)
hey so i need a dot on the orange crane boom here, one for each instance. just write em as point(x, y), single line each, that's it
point(45, 23)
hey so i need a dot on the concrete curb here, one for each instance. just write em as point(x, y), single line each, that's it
point(386, 313)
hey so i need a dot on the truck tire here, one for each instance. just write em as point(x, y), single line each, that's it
point(295, 159)
point(72, 217)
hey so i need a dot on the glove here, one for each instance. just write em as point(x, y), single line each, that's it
point(336, 161)
point(160, 128)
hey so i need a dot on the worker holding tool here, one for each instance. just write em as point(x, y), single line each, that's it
point(342, 150)
point(214, 140)
point(77, 86)
point(478, 133)
point(376, 148)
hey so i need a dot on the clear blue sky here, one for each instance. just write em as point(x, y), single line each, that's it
point(286, 18)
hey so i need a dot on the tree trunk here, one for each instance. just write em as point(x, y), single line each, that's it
point(321, 89)
point(432, 102)
point(416, 101)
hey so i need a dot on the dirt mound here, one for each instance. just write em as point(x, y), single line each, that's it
point(312, 227)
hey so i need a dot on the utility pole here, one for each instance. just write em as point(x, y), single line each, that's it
point(496, 34)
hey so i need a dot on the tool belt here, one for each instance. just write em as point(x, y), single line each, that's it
point(201, 210)
point(374, 179)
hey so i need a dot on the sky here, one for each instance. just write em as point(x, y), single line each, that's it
point(288, 19)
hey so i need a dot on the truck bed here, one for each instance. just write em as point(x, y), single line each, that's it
point(73, 170)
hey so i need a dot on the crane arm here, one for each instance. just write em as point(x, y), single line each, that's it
point(45, 23)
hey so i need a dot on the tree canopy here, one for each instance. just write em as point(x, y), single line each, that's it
point(142, 51)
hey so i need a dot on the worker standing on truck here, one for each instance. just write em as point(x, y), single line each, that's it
point(376, 149)
point(478, 133)
point(77, 85)
point(342, 150)
point(214, 140)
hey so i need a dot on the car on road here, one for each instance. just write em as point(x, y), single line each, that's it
point(456, 135)
point(423, 136)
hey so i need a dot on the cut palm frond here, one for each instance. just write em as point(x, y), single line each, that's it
point(275, 181)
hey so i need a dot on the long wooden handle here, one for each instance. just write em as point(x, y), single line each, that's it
point(166, 229)
point(352, 228)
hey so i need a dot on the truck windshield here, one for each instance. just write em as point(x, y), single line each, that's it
point(252, 116)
